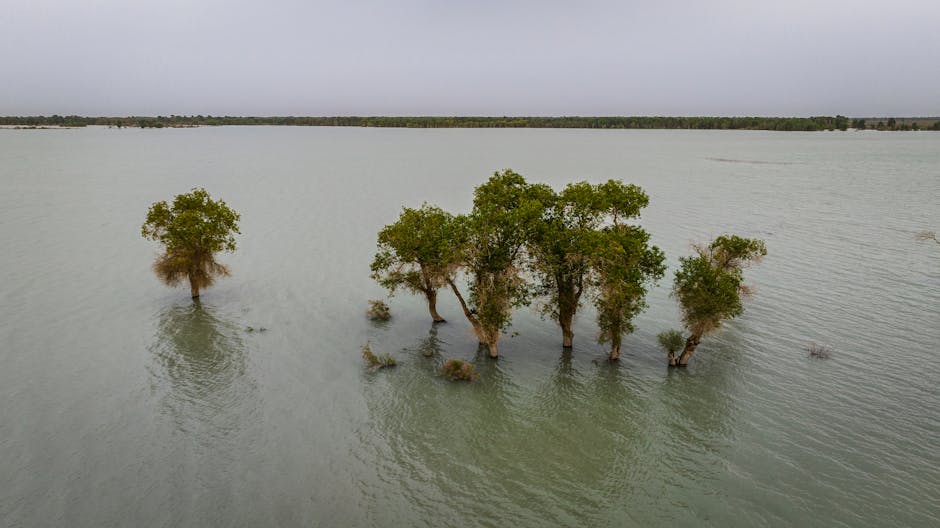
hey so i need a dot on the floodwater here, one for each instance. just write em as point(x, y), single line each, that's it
point(123, 403)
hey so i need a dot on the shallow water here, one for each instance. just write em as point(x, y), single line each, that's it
point(122, 403)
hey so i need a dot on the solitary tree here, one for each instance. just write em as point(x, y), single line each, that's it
point(505, 211)
point(420, 252)
point(192, 230)
point(625, 266)
point(709, 287)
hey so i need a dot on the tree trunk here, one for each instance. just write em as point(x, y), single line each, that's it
point(474, 322)
point(673, 360)
point(568, 297)
point(193, 287)
point(615, 352)
point(564, 320)
point(494, 349)
point(690, 344)
point(567, 337)
point(432, 306)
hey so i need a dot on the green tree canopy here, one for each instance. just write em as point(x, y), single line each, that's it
point(625, 265)
point(420, 252)
point(709, 286)
point(192, 230)
point(565, 241)
point(504, 217)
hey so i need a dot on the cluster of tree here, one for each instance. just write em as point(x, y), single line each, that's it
point(615, 122)
point(520, 241)
point(523, 241)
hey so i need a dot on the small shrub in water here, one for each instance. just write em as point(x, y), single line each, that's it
point(457, 370)
point(378, 311)
point(377, 361)
point(819, 351)
point(671, 341)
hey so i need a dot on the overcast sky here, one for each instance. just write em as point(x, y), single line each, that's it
point(470, 57)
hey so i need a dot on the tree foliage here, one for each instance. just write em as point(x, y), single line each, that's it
point(192, 230)
point(709, 285)
point(574, 244)
point(505, 214)
point(625, 265)
point(420, 252)
point(671, 341)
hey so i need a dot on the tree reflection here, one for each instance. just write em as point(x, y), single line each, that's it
point(201, 361)
point(582, 442)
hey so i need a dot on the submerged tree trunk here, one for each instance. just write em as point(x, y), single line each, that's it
point(673, 360)
point(567, 340)
point(493, 348)
point(568, 297)
point(193, 287)
point(690, 345)
point(432, 306)
point(614, 351)
point(565, 316)
point(615, 341)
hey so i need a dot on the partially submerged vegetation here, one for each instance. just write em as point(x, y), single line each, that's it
point(192, 230)
point(458, 370)
point(710, 287)
point(520, 241)
point(671, 341)
point(505, 214)
point(377, 361)
point(927, 236)
point(420, 253)
point(816, 351)
point(378, 311)
point(523, 241)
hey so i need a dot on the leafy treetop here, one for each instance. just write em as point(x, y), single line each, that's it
point(193, 223)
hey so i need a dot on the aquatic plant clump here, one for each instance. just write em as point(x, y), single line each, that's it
point(378, 311)
point(377, 361)
point(458, 370)
point(927, 235)
point(671, 341)
point(819, 351)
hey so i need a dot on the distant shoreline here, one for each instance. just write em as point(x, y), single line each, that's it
point(804, 124)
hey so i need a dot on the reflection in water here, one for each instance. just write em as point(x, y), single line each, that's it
point(202, 361)
point(569, 450)
point(200, 373)
point(431, 345)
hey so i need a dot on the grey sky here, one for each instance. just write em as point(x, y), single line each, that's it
point(480, 57)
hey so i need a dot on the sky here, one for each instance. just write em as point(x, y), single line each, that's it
point(470, 57)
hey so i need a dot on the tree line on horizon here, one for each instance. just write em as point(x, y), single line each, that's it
point(816, 123)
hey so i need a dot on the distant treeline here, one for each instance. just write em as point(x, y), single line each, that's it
point(698, 123)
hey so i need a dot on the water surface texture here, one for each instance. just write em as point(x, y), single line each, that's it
point(122, 403)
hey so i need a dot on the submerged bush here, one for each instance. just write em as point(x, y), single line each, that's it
point(671, 341)
point(458, 370)
point(377, 361)
point(378, 311)
point(819, 351)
